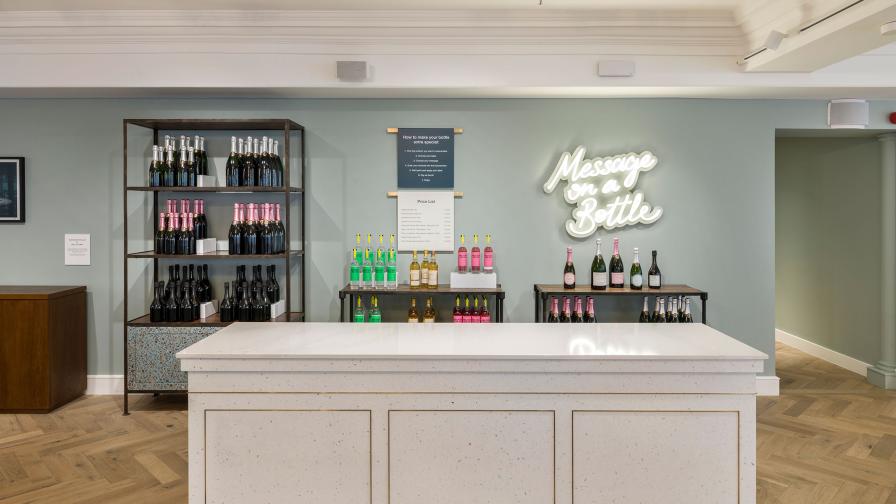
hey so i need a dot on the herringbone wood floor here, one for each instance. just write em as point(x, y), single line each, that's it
point(829, 438)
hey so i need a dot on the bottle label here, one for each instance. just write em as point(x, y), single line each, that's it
point(376, 317)
point(653, 280)
point(424, 275)
point(433, 278)
point(367, 274)
point(354, 274)
point(415, 278)
point(428, 320)
point(485, 319)
point(637, 280)
point(474, 262)
point(569, 278)
point(467, 318)
point(617, 278)
point(458, 318)
point(412, 320)
point(599, 279)
point(380, 274)
point(390, 273)
point(489, 260)
point(462, 261)
point(359, 317)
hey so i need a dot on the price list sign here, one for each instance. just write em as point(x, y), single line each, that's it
point(426, 221)
point(426, 158)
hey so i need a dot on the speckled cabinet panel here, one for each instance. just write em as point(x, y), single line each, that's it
point(687, 456)
point(151, 361)
point(309, 457)
point(448, 457)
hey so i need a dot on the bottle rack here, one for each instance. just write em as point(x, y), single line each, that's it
point(406, 290)
point(289, 192)
point(545, 291)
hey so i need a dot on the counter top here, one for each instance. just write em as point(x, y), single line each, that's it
point(335, 341)
point(38, 291)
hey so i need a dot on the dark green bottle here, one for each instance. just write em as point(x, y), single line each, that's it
point(598, 271)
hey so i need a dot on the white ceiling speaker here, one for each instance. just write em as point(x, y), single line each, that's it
point(888, 28)
point(352, 71)
point(774, 39)
point(848, 113)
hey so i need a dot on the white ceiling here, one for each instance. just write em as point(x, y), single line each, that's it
point(70, 5)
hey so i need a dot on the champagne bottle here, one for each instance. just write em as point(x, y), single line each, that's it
point(670, 310)
point(354, 275)
point(156, 309)
point(598, 270)
point(661, 316)
point(484, 316)
point(654, 277)
point(413, 315)
point(462, 256)
point(433, 272)
point(617, 270)
point(636, 279)
point(359, 314)
point(429, 313)
point(226, 308)
point(554, 315)
point(475, 255)
point(272, 286)
point(645, 315)
point(172, 313)
point(154, 175)
point(569, 271)
point(235, 235)
point(458, 314)
point(656, 311)
point(687, 311)
point(414, 278)
point(161, 234)
point(424, 270)
point(577, 314)
point(170, 168)
point(590, 315)
point(185, 310)
point(488, 255)
point(374, 315)
point(194, 302)
point(565, 315)
point(244, 309)
point(200, 221)
point(265, 311)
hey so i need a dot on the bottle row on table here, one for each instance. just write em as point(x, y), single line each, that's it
point(254, 162)
point(178, 165)
point(178, 230)
point(568, 314)
point(467, 313)
point(180, 298)
point(666, 310)
point(612, 276)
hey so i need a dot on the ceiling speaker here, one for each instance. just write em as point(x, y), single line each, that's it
point(848, 113)
point(351, 71)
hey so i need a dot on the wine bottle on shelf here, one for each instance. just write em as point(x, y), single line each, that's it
point(244, 309)
point(185, 312)
point(475, 255)
point(467, 315)
point(161, 234)
point(687, 317)
point(206, 285)
point(172, 313)
point(414, 272)
point(235, 234)
point(554, 315)
point(680, 308)
point(204, 155)
point(191, 276)
point(617, 270)
point(250, 236)
point(180, 241)
point(598, 270)
point(225, 310)
point(569, 271)
point(654, 277)
point(429, 313)
point(671, 315)
point(247, 165)
point(462, 256)
point(424, 271)
point(645, 314)
point(379, 268)
point(194, 302)
point(239, 282)
point(433, 277)
point(256, 161)
point(590, 315)
point(484, 316)
point(272, 285)
point(577, 315)
point(191, 167)
point(200, 222)
point(191, 235)
point(656, 311)
point(374, 315)
point(154, 175)
point(488, 255)
point(354, 270)
point(232, 167)
point(264, 165)
point(268, 232)
point(661, 316)
point(265, 313)
point(636, 278)
point(474, 313)
point(170, 284)
point(166, 176)
point(278, 163)
point(359, 314)
point(413, 315)
point(458, 314)
point(156, 309)
point(565, 315)
point(391, 265)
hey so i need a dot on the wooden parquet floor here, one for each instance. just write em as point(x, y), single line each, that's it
point(830, 438)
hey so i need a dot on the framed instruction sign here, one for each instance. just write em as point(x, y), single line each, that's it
point(426, 158)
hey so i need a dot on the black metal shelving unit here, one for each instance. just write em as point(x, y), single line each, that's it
point(288, 128)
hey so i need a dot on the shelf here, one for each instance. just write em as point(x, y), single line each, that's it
point(213, 321)
point(240, 189)
point(217, 124)
point(221, 254)
point(405, 289)
point(665, 290)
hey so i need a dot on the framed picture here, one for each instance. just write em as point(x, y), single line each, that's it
point(12, 189)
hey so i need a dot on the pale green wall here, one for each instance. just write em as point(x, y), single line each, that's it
point(715, 180)
point(827, 234)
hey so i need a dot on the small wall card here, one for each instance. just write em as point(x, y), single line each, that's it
point(425, 221)
point(77, 250)
point(426, 158)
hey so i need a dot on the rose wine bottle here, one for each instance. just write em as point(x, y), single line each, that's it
point(484, 316)
point(636, 278)
point(474, 313)
point(458, 314)
point(281, 231)
point(250, 236)
point(156, 309)
point(569, 271)
point(488, 255)
point(226, 309)
point(554, 315)
point(598, 270)
point(191, 235)
point(235, 235)
point(617, 270)
point(590, 315)
point(645, 314)
point(565, 315)
point(475, 255)
point(468, 315)
point(200, 223)
point(654, 277)
point(462, 256)
point(577, 315)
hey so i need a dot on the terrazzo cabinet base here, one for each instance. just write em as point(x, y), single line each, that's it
point(461, 414)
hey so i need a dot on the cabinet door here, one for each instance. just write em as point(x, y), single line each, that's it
point(24, 358)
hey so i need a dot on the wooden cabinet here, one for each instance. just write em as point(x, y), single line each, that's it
point(43, 347)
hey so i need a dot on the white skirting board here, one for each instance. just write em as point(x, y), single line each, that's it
point(823, 353)
point(105, 384)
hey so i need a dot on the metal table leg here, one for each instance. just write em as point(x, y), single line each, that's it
point(703, 298)
point(536, 305)
point(341, 306)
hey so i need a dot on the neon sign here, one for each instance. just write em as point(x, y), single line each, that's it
point(603, 190)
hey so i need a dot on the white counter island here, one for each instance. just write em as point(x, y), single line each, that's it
point(469, 414)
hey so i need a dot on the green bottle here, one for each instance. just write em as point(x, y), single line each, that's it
point(374, 316)
point(379, 275)
point(636, 278)
point(367, 271)
point(354, 275)
point(358, 251)
point(391, 266)
point(359, 312)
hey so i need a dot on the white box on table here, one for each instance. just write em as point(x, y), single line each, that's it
point(206, 181)
point(474, 280)
point(206, 245)
point(206, 310)
point(278, 308)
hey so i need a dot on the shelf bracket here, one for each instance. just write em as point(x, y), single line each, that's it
point(394, 194)
point(394, 131)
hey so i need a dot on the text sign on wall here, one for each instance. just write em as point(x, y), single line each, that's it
point(426, 158)
point(603, 190)
point(426, 221)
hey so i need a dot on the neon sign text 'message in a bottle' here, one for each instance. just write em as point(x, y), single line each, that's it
point(603, 190)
